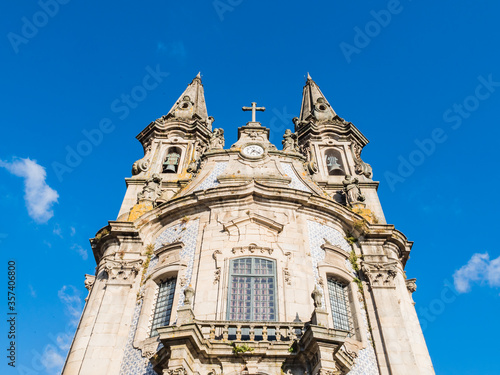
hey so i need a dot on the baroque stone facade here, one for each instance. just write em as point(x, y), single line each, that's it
point(249, 259)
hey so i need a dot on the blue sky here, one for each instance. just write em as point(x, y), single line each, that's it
point(421, 79)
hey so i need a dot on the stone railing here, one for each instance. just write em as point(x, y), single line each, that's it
point(217, 330)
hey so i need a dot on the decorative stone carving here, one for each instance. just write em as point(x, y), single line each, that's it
point(217, 273)
point(380, 274)
point(352, 191)
point(89, 282)
point(152, 190)
point(286, 276)
point(150, 347)
point(323, 371)
point(310, 165)
point(252, 249)
point(290, 142)
point(209, 122)
point(360, 166)
point(217, 139)
point(188, 296)
point(194, 166)
point(411, 285)
point(317, 296)
point(177, 371)
point(142, 165)
point(122, 270)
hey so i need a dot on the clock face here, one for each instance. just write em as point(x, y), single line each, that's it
point(253, 150)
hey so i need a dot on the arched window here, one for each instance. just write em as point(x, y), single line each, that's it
point(339, 303)
point(171, 163)
point(334, 163)
point(252, 290)
point(163, 306)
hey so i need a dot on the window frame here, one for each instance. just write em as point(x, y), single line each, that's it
point(170, 300)
point(252, 275)
point(344, 318)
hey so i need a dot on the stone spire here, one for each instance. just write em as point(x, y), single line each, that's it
point(314, 104)
point(191, 104)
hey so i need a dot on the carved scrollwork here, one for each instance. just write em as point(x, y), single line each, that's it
point(360, 166)
point(380, 274)
point(141, 165)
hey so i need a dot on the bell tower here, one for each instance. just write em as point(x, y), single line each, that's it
point(249, 259)
point(173, 145)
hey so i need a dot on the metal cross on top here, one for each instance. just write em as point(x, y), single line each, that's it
point(254, 108)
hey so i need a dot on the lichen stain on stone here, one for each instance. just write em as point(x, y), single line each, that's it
point(139, 209)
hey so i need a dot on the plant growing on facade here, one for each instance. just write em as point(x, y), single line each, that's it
point(243, 348)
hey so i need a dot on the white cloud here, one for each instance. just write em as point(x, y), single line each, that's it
point(39, 196)
point(57, 230)
point(73, 231)
point(51, 358)
point(80, 250)
point(32, 291)
point(479, 269)
point(70, 297)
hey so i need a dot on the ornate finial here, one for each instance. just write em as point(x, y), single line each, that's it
point(253, 108)
point(198, 75)
point(308, 76)
point(317, 296)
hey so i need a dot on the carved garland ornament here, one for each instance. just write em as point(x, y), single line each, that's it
point(380, 274)
point(122, 270)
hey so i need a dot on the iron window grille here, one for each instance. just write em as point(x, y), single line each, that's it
point(339, 303)
point(164, 302)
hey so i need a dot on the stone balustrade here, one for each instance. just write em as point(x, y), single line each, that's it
point(217, 330)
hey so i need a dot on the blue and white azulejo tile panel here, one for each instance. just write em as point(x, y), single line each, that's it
point(296, 182)
point(211, 180)
point(133, 362)
point(366, 362)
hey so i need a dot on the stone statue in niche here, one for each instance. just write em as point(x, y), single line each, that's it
point(290, 142)
point(352, 191)
point(171, 163)
point(152, 190)
point(217, 139)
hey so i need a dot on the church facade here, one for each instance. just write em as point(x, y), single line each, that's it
point(250, 259)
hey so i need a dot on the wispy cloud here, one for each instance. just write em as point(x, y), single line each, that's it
point(39, 196)
point(72, 231)
point(52, 359)
point(479, 269)
point(57, 230)
point(32, 291)
point(80, 250)
point(53, 356)
point(71, 299)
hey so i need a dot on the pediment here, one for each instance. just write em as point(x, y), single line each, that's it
point(270, 224)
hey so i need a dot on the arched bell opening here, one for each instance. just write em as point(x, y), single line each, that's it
point(171, 163)
point(334, 163)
